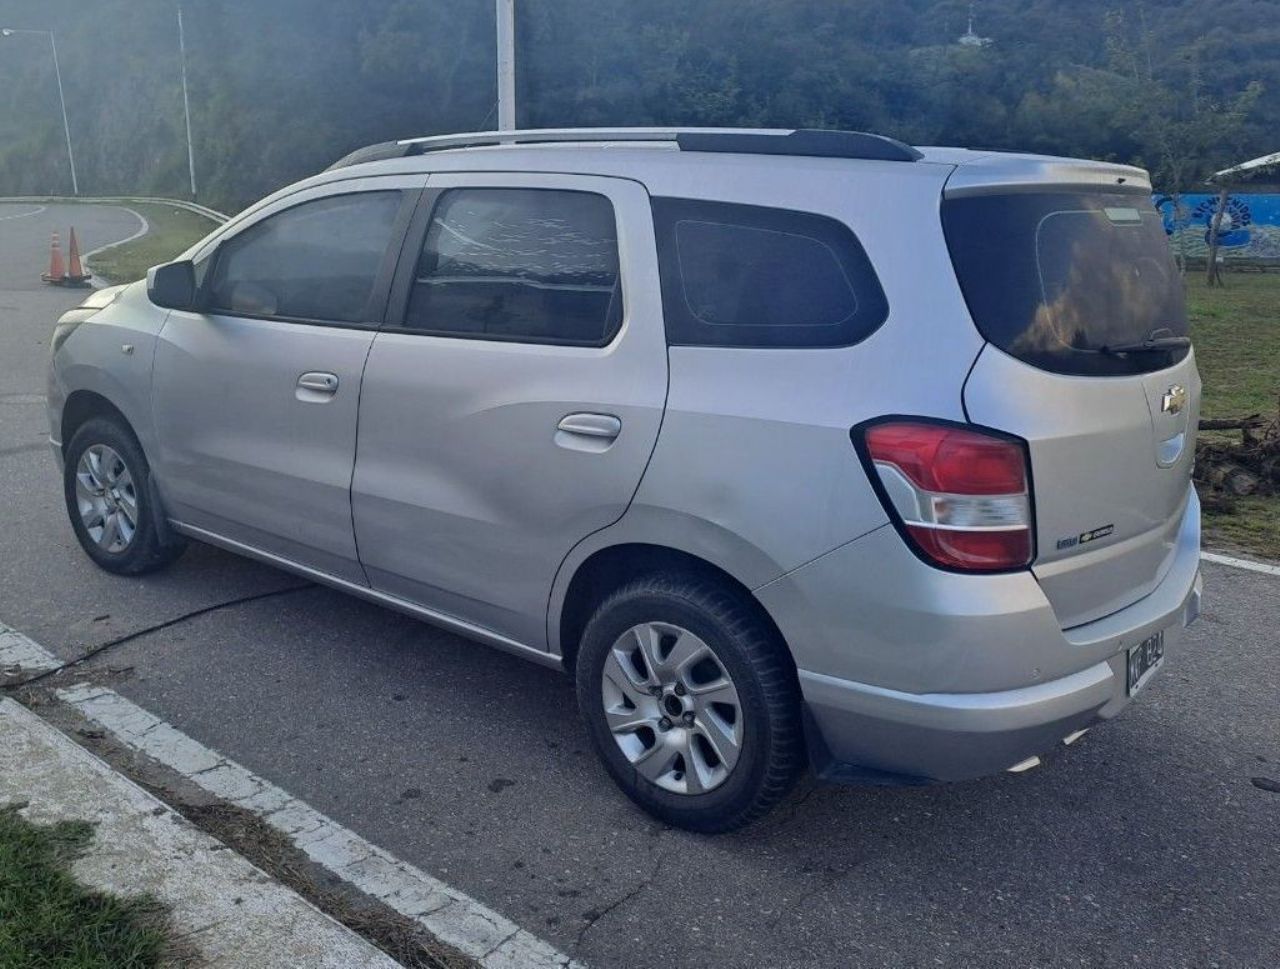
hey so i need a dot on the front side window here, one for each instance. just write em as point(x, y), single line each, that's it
point(529, 265)
point(315, 261)
point(748, 275)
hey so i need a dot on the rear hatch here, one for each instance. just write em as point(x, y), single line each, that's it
point(1075, 290)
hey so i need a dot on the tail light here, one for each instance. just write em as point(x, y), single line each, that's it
point(961, 497)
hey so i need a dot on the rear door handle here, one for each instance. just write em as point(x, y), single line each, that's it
point(316, 385)
point(591, 425)
point(593, 432)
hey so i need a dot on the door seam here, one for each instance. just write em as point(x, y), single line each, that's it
point(355, 455)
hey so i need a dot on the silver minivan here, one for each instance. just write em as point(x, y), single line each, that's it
point(797, 449)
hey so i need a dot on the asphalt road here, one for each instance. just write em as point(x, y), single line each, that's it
point(1145, 844)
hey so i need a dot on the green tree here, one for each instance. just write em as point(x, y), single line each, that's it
point(1186, 132)
point(280, 89)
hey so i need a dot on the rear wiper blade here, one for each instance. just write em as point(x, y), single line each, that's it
point(1160, 344)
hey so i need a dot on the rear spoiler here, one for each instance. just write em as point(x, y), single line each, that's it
point(1001, 174)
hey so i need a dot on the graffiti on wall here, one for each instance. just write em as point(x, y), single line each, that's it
point(1250, 228)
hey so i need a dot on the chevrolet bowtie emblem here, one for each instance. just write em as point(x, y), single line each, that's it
point(1175, 398)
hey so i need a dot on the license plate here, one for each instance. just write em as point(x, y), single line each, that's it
point(1145, 659)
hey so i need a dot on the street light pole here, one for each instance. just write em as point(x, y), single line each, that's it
point(186, 103)
point(57, 72)
point(66, 126)
point(506, 65)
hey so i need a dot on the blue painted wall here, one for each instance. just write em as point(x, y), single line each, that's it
point(1250, 226)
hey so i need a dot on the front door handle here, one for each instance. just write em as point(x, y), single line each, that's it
point(316, 385)
point(588, 432)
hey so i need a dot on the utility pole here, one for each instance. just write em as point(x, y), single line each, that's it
point(506, 65)
point(186, 103)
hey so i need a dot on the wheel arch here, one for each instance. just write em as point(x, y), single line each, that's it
point(82, 406)
point(597, 571)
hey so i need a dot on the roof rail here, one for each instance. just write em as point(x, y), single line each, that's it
point(811, 142)
point(378, 152)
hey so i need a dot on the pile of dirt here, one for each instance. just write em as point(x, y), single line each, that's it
point(1230, 467)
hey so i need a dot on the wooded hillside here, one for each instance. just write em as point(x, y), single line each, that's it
point(280, 88)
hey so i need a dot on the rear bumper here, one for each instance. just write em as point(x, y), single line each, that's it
point(869, 733)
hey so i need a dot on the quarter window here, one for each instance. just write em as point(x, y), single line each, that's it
point(529, 265)
point(316, 261)
point(747, 275)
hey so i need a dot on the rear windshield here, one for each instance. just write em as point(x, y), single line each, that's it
point(1056, 279)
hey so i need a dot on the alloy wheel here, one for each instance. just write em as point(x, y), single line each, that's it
point(673, 708)
point(106, 498)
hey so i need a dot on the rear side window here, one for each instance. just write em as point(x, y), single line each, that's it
point(316, 261)
point(751, 276)
point(1059, 280)
point(529, 265)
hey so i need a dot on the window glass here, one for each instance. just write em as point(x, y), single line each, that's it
point(1055, 278)
point(535, 265)
point(746, 275)
point(315, 261)
point(739, 275)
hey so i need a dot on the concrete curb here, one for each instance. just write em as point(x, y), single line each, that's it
point(231, 912)
point(448, 914)
point(96, 281)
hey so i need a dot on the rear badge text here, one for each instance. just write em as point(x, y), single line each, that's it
point(1085, 537)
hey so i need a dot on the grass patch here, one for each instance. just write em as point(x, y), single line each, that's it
point(1237, 338)
point(1252, 526)
point(173, 230)
point(47, 919)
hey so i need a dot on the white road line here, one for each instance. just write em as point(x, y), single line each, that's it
point(1236, 563)
point(23, 215)
point(18, 654)
point(146, 227)
point(448, 914)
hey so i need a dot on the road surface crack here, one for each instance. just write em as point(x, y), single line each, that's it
point(505, 939)
point(155, 628)
point(594, 915)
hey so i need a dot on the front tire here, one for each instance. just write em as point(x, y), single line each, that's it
point(691, 702)
point(107, 487)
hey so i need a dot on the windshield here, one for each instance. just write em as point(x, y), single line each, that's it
point(1055, 278)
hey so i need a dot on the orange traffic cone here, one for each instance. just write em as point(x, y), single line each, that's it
point(76, 276)
point(56, 273)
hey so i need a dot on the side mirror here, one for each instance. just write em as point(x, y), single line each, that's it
point(173, 285)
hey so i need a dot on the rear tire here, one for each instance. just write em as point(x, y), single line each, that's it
point(691, 701)
point(109, 498)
